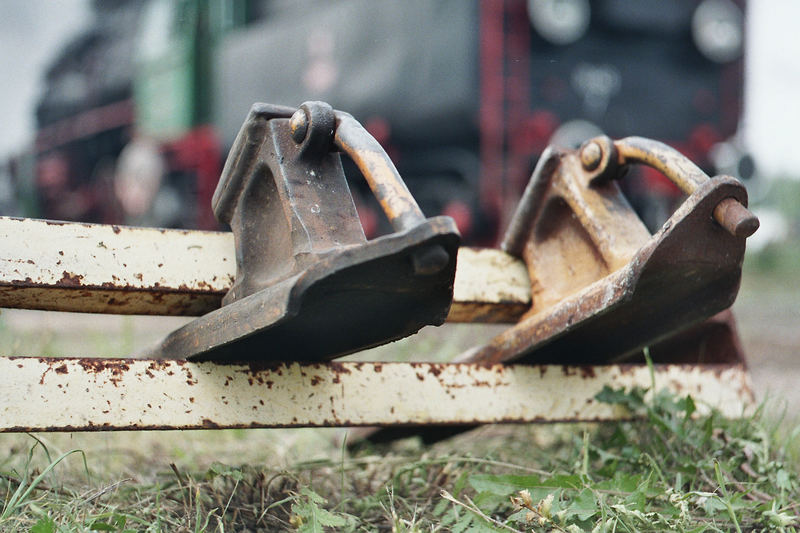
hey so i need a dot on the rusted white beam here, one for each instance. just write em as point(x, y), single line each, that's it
point(69, 394)
point(66, 266)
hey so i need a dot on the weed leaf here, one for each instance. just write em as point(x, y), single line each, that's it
point(44, 525)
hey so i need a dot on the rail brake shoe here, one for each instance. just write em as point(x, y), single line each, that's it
point(602, 287)
point(308, 282)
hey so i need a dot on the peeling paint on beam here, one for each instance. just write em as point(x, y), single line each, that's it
point(96, 268)
point(74, 394)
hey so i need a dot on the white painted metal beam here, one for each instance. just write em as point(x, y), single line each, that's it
point(69, 394)
point(96, 268)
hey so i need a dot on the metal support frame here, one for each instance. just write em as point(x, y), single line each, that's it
point(112, 269)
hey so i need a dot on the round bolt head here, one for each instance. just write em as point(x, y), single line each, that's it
point(298, 125)
point(591, 155)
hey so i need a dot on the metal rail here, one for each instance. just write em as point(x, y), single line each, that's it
point(72, 394)
point(96, 268)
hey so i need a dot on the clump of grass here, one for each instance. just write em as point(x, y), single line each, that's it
point(671, 470)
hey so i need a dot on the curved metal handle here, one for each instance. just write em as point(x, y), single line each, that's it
point(379, 171)
point(350, 137)
point(312, 126)
point(729, 213)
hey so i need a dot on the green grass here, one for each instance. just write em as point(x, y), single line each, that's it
point(670, 471)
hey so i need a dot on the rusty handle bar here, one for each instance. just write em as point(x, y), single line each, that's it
point(729, 213)
point(350, 137)
point(388, 187)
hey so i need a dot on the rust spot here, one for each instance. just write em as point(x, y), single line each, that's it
point(116, 368)
point(436, 369)
point(378, 368)
point(316, 380)
point(60, 252)
point(338, 368)
point(116, 229)
point(626, 369)
point(420, 376)
point(62, 370)
point(191, 399)
point(69, 280)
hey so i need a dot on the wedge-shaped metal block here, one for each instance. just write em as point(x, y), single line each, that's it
point(307, 280)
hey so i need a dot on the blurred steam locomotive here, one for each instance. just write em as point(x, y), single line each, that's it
point(139, 111)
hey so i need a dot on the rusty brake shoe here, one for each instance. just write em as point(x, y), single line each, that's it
point(308, 283)
point(602, 287)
